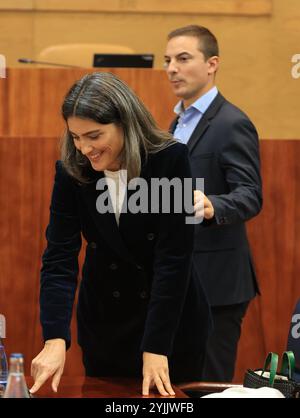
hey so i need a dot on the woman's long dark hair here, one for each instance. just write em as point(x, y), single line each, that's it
point(104, 98)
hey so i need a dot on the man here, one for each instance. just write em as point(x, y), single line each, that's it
point(224, 150)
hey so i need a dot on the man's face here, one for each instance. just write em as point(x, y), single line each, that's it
point(190, 74)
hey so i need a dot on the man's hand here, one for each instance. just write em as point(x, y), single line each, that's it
point(203, 206)
point(156, 372)
point(49, 362)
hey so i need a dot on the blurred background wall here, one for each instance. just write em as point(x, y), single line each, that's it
point(257, 41)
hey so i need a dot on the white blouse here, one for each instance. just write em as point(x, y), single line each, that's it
point(117, 184)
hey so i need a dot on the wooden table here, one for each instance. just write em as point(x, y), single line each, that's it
point(89, 387)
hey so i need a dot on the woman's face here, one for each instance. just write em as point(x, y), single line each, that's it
point(101, 144)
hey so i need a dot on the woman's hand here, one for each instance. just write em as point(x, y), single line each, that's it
point(156, 372)
point(49, 362)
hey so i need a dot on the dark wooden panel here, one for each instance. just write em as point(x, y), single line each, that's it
point(3, 104)
point(276, 250)
point(31, 99)
point(106, 387)
point(26, 179)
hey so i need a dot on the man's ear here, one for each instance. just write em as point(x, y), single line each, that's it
point(213, 64)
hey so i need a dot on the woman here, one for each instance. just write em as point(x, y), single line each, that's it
point(140, 312)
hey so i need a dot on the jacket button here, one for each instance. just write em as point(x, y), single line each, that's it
point(150, 236)
point(139, 267)
point(93, 245)
point(113, 266)
point(143, 294)
point(116, 294)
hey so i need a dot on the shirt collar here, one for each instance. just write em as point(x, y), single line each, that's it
point(201, 104)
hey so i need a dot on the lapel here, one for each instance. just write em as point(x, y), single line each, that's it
point(106, 223)
point(204, 122)
point(173, 125)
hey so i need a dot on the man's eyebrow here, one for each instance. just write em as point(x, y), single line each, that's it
point(86, 133)
point(179, 55)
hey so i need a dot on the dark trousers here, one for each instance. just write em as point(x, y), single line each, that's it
point(222, 344)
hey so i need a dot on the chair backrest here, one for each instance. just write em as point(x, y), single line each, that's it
point(79, 54)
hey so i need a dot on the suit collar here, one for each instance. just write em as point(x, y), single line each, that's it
point(201, 104)
point(213, 109)
point(173, 125)
point(204, 122)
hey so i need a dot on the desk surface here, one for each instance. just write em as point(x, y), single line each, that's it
point(90, 387)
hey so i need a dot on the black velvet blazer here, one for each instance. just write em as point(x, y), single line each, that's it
point(136, 291)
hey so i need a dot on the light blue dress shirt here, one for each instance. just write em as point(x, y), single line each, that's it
point(190, 117)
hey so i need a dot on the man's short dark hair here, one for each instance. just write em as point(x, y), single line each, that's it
point(208, 43)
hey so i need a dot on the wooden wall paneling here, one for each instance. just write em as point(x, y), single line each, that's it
point(213, 7)
point(30, 114)
point(152, 87)
point(32, 98)
point(26, 180)
point(3, 104)
point(16, 35)
point(269, 90)
point(17, 5)
point(34, 101)
point(273, 236)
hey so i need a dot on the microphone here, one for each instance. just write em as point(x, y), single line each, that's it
point(30, 61)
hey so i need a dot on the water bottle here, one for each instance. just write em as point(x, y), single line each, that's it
point(16, 385)
point(3, 365)
point(3, 359)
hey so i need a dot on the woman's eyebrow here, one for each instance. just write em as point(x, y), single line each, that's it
point(86, 133)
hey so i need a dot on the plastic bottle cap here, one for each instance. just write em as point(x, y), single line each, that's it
point(16, 355)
